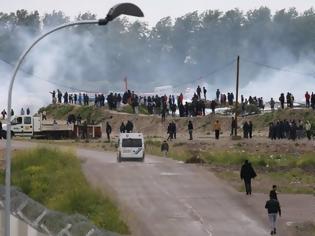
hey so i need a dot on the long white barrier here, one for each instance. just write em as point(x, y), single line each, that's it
point(18, 227)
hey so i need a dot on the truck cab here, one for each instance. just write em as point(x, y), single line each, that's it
point(130, 146)
point(21, 126)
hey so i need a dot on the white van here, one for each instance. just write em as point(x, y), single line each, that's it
point(130, 146)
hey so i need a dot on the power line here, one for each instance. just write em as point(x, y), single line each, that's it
point(49, 81)
point(278, 68)
point(217, 70)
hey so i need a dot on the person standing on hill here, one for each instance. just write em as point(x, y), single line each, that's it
point(218, 94)
point(281, 99)
point(307, 99)
point(250, 129)
point(0, 130)
point(308, 129)
point(233, 126)
point(129, 126)
point(170, 132)
point(3, 113)
point(217, 129)
point(44, 115)
point(174, 130)
point(164, 148)
point(273, 208)
point(190, 130)
point(272, 104)
point(205, 93)
point(247, 174)
point(108, 131)
point(122, 128)
point(245, 130)
point(199, 92)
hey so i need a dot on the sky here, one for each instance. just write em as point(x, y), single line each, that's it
point(153, 9)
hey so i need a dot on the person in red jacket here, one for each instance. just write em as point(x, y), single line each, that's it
point(307, 99)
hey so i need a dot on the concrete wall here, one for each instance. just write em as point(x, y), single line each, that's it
point(18, 227)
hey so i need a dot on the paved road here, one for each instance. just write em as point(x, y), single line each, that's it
point(172, 199)
point(162, 197)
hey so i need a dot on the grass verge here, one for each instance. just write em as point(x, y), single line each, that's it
point(55, 179)
point(292, 173)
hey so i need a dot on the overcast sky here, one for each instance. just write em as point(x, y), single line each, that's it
point(153, 9)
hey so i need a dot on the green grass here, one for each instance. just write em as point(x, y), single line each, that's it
point(61, 111)
point(128, 109)
point(301, 114)
point(294, 173)
point(55, 179)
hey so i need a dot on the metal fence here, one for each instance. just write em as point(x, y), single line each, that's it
point(45, 221)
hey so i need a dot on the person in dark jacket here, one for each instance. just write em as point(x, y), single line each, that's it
point(164, 148)
point(247, 173)
point(173, 129)
point(273, 192)
point(108, 131)
point(190, 130)
point(245, 129)
point(129, 126)
point(0, 130)
point(250, 129)
point(273, 208)
point(233, 126)
point(122, 128)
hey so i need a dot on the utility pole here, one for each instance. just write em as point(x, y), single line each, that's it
point(237, 85)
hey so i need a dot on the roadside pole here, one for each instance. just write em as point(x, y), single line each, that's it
point(237, 86)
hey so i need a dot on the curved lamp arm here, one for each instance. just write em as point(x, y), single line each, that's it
point(115, 11)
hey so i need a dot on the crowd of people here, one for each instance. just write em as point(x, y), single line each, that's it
point(176, 104)
point(172, 104)
point(289, 129)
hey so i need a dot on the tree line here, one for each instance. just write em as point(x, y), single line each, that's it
point(174, 51)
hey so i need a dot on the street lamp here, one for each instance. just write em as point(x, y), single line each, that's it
point(117, 10)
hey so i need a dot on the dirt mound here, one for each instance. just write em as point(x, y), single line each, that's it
point(195, 160)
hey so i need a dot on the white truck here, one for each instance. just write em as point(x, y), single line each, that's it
point(131, 147)
point(34, 126)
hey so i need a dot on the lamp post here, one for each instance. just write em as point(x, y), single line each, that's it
point(117, 10)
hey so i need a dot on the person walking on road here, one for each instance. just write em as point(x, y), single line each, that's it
point(190, 130)
point(273, 193)
point(164, 148)
point(217, 129)
point(108, 131)
point(247, 174)
point(273, 208)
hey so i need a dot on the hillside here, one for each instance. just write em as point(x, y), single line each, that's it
point(151, 125)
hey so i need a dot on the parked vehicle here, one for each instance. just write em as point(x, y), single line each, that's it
point(34, 126)
point(131, 146)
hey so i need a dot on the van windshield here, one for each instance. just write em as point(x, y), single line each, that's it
point(132, 142)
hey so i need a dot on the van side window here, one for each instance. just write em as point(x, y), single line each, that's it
point(27, 120)
point(19, 120)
